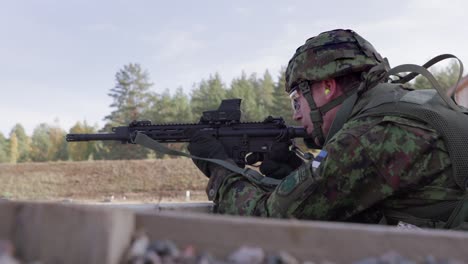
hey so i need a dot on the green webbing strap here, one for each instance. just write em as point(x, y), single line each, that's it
point(397, 216)
point(459, 214)
point(428, 64)
point(457, 219)
point(342, 116)
point(375, 75)
point(250, 174)
point(424, 72)
point(316, 116)
point(335, 102)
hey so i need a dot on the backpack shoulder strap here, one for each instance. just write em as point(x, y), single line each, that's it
point(415, 70)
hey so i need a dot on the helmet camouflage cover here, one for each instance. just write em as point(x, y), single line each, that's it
point(330, 54)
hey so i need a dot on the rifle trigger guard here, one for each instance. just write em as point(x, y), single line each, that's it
point(133, 136)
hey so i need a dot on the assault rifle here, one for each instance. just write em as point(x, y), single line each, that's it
point(239, 139)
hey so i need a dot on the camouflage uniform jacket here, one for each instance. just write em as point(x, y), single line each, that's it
point(373, 167)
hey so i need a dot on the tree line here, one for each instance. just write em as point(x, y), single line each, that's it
point(133, 99)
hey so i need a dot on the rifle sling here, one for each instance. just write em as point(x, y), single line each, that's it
point(250, 174)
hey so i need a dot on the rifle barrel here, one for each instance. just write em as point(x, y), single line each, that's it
point(174, 135)
point(98, 136)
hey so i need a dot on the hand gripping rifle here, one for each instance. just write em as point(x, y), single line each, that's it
point(240, 139)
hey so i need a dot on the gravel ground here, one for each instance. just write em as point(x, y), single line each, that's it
point(144, 251)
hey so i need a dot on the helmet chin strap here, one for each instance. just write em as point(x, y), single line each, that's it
point(375, 75)
point(317, 113)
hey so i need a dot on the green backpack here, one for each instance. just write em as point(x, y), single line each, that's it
point(431, 106)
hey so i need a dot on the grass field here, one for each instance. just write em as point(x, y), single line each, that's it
point(123, 180)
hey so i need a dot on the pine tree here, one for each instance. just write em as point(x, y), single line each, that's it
point(162, 109)
point(78, 151)
point(265, 91)
point(40, 143)
point(58, 148)
point(48, 143)
point(167, 109)
point(245, 89)
point(24, 142)
point(14, 151)
point(131, 99)
point(207, 96)
point(183, 111)
point(130, 95)
point(3, 149)
point(281, 103)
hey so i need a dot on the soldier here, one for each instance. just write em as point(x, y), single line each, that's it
point(388, 154)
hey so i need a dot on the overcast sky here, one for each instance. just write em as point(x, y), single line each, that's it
point(58, 58)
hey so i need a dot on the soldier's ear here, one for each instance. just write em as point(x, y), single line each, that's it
point(329, 87)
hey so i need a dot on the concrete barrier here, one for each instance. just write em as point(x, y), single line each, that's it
point(306, 240)
point(57, 233)
point(67, 233)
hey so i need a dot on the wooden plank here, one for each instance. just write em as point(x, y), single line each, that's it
point(306, 240)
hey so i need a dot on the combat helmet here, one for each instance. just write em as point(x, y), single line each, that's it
point(331, 54)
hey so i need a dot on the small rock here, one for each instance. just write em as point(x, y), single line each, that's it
point(152, 258)
point(387, 258)
point(394, 258)
point(138, 247)
point(367, 261)
point(433, 260)
point(206, 258)
point(287, 258)
point(170, 260)
point(405, 226)
point(282, 257)
point(189, 251)
point(251, 255)
point(430, 260)
point(136, 260)
point(164, 248)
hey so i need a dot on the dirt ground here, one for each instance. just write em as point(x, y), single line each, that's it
point(103, 181)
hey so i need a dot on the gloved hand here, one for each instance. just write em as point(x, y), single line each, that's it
point(280, 161)
point(205, 146)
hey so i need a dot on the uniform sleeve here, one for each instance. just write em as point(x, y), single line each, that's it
point(360, 169)
point(328, 191)
point(349, 183)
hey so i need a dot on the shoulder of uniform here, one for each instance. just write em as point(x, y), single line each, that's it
point(368, 125)
point(358, 127)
